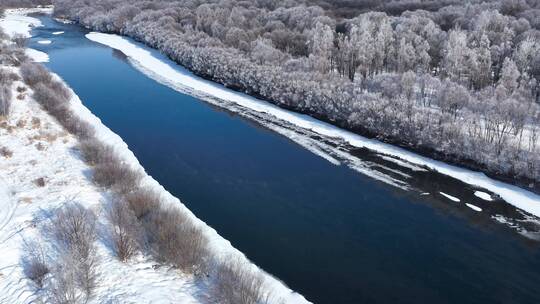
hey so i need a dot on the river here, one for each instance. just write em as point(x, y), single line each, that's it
point(351, 229)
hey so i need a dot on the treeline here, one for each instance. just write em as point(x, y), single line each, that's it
point(459, 82)
point(23, 3)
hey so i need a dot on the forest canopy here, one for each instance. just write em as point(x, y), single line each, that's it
point(458, 80)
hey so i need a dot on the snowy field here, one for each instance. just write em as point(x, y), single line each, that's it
point(160, 68)
point(42, 149)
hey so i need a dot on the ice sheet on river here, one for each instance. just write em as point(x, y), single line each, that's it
point(158, 66)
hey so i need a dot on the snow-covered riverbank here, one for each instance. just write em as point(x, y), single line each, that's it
point(16, 23)
point(44, 150)
point(159, 67)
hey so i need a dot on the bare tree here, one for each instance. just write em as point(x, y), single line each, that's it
point(5, 100)
point(176, 240)
point(34, 262)
point(125, 230)
point(236, 282)
point(142, 201)
point(74, 229)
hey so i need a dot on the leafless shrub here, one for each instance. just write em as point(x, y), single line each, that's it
point(117, 175)
point(176, 240)
point(125, 229)
point(54, 98)
point(94, 151)
point(74, 229)
point(40, 146)
point(50, 101)
point(12, 55)
point(5, 100)
point(33, 74)
point(21, 89)
point(237, 283)
point(40, 182)
point(36, 122)
point(63, 288)
point(20, 40)
point(61, 91)
point(21, 123)
point(78, 127)
point(5, 152)
point(7, 77)
point(34, 262)
point(143, 200)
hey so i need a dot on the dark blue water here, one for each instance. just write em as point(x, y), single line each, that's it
point(328, 232)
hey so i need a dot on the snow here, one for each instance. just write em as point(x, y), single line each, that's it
point(15, 22)
point(474, 207)
point(483, 195)
point(44, 42)
point(160, 68)
point(58, 33)
point(450, 197)
point(37, 56)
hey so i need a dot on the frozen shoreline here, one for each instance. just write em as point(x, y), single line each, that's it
point(154, 64)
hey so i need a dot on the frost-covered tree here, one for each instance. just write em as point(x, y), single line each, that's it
point(434, 79)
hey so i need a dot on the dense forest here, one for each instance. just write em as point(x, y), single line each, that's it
point(456, 80)
point(23, 3)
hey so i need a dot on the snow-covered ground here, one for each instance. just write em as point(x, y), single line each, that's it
point(15, 22)
point(159, 67)
point(45, 150)
point(42, 149)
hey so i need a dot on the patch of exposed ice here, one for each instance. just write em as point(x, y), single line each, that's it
point(534, 235)
point(305, 142)
point(44, 42)
point(403, 163)
point(15, 22)
point(474, 207)
point(483, 195)
point(450, 197)
point(37, 56)
point(159, 67)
